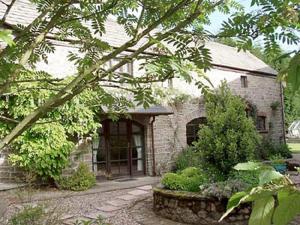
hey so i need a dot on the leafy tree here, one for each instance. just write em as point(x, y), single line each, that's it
point(5, 35)
point(154, 22)
point(229, 137)
point(291, 105)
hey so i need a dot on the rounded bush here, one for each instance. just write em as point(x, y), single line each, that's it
point(81, 180)
point(187, 180)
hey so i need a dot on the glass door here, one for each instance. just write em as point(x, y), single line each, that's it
point(118, 151)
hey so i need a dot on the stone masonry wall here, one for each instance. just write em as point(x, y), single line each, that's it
point(9, 173)
point(192, 208)
point(170, 131)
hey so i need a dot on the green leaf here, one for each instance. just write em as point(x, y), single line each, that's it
point(293, 77)
point(235, 199)
point(262, 211)
point(267, 176)
point(248, 166)
point(288, 208)
point(5, 35)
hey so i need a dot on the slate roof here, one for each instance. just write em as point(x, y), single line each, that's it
point(24, 12)
point(152, 110)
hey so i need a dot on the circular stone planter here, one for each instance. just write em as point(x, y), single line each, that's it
point(192, 208)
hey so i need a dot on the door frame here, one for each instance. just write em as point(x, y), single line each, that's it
point(106, 134)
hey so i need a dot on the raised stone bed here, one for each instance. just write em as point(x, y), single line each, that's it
point(192, 208)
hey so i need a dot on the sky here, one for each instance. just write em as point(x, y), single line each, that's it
point(217, 18)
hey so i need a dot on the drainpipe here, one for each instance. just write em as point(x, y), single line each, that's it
point(282, 111)
point(152, 146)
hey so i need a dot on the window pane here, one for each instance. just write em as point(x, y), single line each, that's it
point(192, 129)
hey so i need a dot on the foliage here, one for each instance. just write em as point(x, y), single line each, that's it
point(275, 200)
point(35, 215)
point(272, 22)
point(192, 158)
point(6, 36)
point(84, 25)
point(188, 158)
point(170, 95)
point(98, 221)
point(81, 180)
point(29, 215)
point(229, 137)
point(43, 150)
point(250, 178)
point(275, 105)
point(223, 189)
point(292, 72)
point(188, 179)
point(277, 159)
point(266, 149)
point(291, 105)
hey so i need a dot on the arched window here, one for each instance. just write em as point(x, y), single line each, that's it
point(192, 129)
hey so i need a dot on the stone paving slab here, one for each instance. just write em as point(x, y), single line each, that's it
point(127, 197)
point(67, 216)
point(117, 202)
point(106, 215)
point(138, 192)
point(145, 188)
point(9, 186)
point(108, 208)
point(93, 216)
point(74, 220)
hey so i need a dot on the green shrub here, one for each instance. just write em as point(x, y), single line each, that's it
point(173, 181)
point(188, 158)
point(187, 180)
point(223, 189)
point(81, 180)
point(267, 149)
point(251, 178)
point(29, 215)
point(36, 215)
point(43, 150)
point(229, 137)
point(190, 172)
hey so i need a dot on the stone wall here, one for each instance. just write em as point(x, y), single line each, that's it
point(170, 131)
point(81, 153)
point(190, 208)
point(9, 173)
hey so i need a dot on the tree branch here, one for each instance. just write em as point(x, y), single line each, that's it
point(80, 82)
point(38, 40)
point(7, 11)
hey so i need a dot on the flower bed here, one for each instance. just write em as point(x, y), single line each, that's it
point(193, 208)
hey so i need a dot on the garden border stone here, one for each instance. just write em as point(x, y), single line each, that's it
point(194, 208)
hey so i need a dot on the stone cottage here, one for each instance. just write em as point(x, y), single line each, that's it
point(147, 143)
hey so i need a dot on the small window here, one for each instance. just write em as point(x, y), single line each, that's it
point(127, 68)
point(192, 129)
point(261, 123)
point(244, 82)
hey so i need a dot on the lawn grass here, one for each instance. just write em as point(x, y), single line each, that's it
point(295, 147)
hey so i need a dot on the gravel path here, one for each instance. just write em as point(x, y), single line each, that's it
point(121, 207)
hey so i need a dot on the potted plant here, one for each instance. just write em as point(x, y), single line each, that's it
point(278, 163)
point(275, 105)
